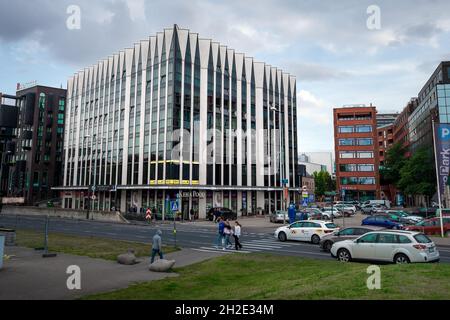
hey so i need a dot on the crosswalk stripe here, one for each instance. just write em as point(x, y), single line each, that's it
point(228, 250)
point(247, 245)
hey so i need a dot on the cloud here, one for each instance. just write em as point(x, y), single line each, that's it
point(315, 72)
point(313, 109)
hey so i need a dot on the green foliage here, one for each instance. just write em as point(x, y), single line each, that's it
point(323, 183)
point(393, 162)
point(417, 175)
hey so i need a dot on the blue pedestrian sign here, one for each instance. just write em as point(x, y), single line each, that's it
point(305, 202)
point(174, 206)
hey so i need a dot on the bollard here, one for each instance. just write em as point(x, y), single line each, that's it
point(46, 254)
point(2, 247)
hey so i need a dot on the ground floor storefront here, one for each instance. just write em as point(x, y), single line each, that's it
point(189, 201)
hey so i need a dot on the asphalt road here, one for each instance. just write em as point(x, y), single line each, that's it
point(199, 238)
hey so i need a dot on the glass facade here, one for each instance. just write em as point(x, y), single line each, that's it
point(139, 121)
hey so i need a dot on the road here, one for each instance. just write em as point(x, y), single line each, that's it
point(201, 238)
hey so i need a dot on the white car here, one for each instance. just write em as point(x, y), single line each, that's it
point(310, 231)
point(389, 246)
point(328, 212)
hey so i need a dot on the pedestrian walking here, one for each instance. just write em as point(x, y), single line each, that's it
point(157, 246)
point(237, 236)
point(192, 214)
point(220, 236)
point(228, 232)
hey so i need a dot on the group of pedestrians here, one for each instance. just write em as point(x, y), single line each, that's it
point(226, 231)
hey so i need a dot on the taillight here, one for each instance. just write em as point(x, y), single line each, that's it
point(420, 246)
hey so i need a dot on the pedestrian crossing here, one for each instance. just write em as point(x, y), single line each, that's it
point(250, 246)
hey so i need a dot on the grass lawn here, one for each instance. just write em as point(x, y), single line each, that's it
point(84, 246)
point(258, 276)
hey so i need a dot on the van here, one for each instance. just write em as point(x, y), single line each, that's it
point(386, 203)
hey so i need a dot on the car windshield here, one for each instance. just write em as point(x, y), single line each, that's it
point(330, 225)
point(421, 238)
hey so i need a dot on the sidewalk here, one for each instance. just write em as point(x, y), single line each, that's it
point(26, 275)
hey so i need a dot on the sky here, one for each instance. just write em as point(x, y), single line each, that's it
point(342, 52)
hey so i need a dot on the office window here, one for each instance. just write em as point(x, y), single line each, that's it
point(365, 154)
point(346, 129)
point(346, 154)
point(348, 167)
point(346, 142)
point(364, 128)
point(366, 167)
point(349, 180)
point(364, 142)
point(366, 180)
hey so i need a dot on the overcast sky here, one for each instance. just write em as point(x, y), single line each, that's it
point(337, 59)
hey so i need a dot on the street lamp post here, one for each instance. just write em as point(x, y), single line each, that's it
point(92, 186)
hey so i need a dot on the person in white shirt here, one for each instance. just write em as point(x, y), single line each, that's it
point(237, 235)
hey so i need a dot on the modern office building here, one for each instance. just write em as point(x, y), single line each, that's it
point(38, 157)
point(356, 147)
point(177, 116)
point(8, 122)
point(385, 140)
point(433, 103)
point(385, 119)
point(322, 158)
point(401, 126)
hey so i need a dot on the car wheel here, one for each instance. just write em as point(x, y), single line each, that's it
point(315, 239)
point(282, 237)
point(401, 258)
point(343, 255)
point(327, 246)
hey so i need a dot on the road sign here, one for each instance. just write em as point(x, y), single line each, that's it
point(305, 202)
point(174, 206)
point(285, 181)
point(93, 197)
point(94, 188)
point(148, 214)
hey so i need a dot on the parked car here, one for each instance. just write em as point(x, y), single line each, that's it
point(387, 246)
point(385, 203)
point(354, 203)
point(279, 216)
point(372, 208)
point(224, 213)
point(381, 221)
point(314, 214)
point(327, 241)
point(432, 226)
point(310, 231)
point(399, 216)
point(329, 212)
point(346, 209)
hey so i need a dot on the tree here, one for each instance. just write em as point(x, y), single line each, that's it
point(323, 183)
point(394, 161)
point(417, 175)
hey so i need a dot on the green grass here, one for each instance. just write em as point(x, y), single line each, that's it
point(257, 276)
point(84, 246)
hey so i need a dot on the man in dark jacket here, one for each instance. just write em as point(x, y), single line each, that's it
point(157, 246)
